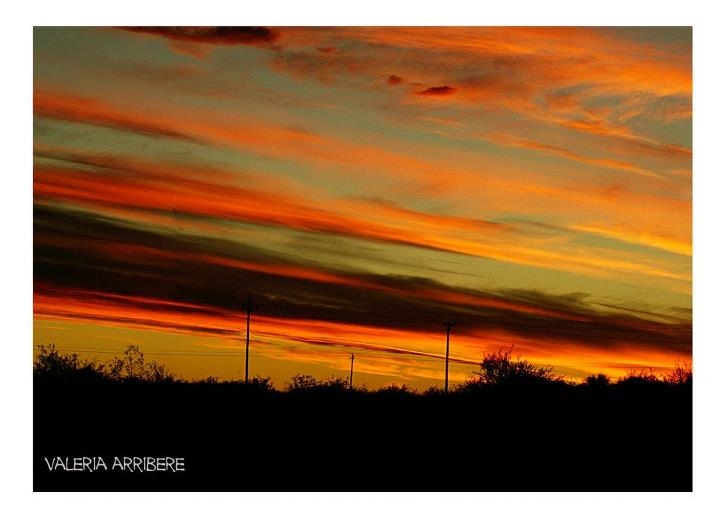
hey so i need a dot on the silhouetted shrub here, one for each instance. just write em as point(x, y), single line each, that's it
point(262, 383)
point(132, 367)
point(337, 383)
point(52, 364)
point(681, 374)
point(304, 382)
point(472, 385)
point(394, 389)
point(639, 377)
point(597, 380)
point(499, 369)
point(435, 391)
point(55, 365)
point(301, 381)
point(358, 389)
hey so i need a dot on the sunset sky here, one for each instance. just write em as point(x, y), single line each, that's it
point(365, 185)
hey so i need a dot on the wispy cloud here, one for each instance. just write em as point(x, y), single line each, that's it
point(510, 140)
point(166, 188)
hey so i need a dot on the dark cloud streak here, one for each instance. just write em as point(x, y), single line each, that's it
point(67, 257)
point(259, 36)
point(438, 91)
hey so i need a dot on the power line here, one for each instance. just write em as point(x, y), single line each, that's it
point(373, 353)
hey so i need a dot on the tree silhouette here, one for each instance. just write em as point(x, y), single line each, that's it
point(639, 377)
point(498, 368)
point(681, 374)
point(55, 365)
point(304, 382)
point(597, 380)
point(52, 364)
point(132, 367)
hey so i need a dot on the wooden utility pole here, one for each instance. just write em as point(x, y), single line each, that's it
point(248, 309)
point(352, 362)
point(447, 325)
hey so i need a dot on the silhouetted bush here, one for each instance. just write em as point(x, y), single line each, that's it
point(681, 374)
point(304, 382)
point(262, 383)
point(54, 365)
point(434, 392)
point(470, 386)
point(639, 377)
point(597, 380)
point(132, 367)
point(300, 382)
point(499, 369)
point(394, 389)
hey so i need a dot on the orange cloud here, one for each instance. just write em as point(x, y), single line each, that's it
point(599, 206)
point(92, 111)
point(358, 218)
point(649, 239)
point(509, 140)
point(567, 54)
point(294, 144)
point(202, 199)
point(527, 70)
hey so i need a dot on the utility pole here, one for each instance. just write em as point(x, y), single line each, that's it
point(352, 362)
point(249, 307)
point(447, 325)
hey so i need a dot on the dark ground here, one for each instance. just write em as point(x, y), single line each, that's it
point(233, 437)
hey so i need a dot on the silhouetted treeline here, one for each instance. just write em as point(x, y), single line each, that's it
point(496, 369)
point(514, 426)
